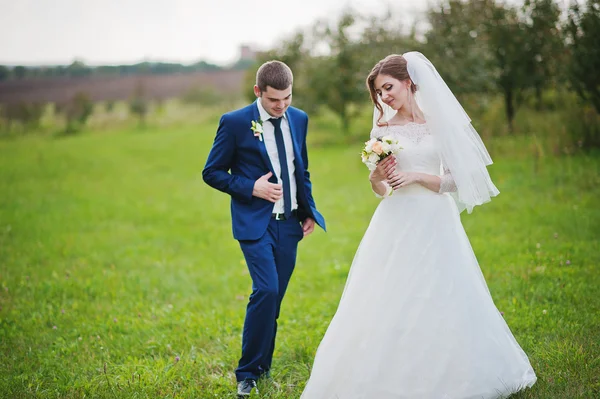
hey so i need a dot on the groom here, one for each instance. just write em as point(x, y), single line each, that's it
point(259, 158)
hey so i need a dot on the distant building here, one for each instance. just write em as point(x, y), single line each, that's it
point(247, 53)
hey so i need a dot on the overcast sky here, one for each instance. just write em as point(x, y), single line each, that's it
point(101, 32)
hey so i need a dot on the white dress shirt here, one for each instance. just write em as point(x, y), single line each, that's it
point(271, 145)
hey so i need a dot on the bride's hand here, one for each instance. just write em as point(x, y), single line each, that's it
point(384, 170)
point(403, 179)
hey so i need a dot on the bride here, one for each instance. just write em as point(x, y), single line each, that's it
point(416, 319)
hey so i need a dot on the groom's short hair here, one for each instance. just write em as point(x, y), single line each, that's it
point(275, 74)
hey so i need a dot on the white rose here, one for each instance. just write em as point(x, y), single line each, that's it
point(386, 147)
point(373, 158)
point(371, 166)
point(369, 145)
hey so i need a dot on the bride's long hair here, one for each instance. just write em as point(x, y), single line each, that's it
point(393, 65)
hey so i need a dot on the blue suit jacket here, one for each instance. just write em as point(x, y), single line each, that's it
point(238, 158)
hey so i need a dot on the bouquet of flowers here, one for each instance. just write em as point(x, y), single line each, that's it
point(378, 148)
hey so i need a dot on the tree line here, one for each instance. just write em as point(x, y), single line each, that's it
point(479, 47)
point(79, 69)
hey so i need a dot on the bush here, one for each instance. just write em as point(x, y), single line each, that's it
point(203, 96)
point(76, 111)
point(26, 114)
point(583, 125)
point(109, 105)
point(138, 105)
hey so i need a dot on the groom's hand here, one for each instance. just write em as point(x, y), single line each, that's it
point(308, 226)
point(264, 189)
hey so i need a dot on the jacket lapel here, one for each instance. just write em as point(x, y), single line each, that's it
point(297, 155)
point(298, 164)
point(261, 143)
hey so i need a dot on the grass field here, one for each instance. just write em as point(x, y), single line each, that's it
point(120, 278)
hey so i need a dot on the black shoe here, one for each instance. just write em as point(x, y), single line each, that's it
point(245, 387)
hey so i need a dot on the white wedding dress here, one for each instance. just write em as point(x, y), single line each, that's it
point(416, 319)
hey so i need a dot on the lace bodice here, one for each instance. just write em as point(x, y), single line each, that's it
point(419, 153)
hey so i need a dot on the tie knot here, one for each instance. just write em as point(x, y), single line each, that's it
point(275, 121)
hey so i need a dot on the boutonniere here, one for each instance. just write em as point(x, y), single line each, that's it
point(257, 128)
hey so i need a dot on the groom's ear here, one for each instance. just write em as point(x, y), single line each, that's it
point(257, 91)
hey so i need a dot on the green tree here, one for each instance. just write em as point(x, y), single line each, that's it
point(294, 52)
point(28, 114)
point(331, 59)
point(337, 79)
point(381, 36)
point(457, 42)
point(138, 105)
point(20, 72)
point(4, 73)
point(76, 111)
point(109, 106)
point(203, 96)
point(545, 43)
point(582, 33)
point(481, 46)
point(204, 66)
point(510, 47)
point(78, 69)
point(242, 65)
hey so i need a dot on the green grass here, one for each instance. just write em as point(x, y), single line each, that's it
point(116, 259)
